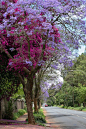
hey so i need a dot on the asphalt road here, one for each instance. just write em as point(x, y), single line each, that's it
point(65, 118)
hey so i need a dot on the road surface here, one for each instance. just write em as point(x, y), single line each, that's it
point(65, 118)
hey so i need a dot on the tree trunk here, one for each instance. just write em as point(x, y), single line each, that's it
point(79, 104)
point(28, 91)
point(84, 104)
point(39, 104)
point(28, 98)
point(35, 105)
point(36, 94)
point(0, 111)
point(73, 100)
point(59, 102)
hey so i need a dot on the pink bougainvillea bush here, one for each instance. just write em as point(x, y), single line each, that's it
point(29, 38)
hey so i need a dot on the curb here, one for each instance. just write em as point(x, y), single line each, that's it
point(48, 124)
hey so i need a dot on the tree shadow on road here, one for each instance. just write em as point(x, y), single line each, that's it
point(56, 116)
point(57, 125)
point(69, 127)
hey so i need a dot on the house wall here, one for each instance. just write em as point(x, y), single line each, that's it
point(18, 104)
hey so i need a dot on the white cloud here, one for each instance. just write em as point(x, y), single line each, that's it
point(81, 50)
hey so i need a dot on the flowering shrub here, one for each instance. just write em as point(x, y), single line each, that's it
point(27, 38)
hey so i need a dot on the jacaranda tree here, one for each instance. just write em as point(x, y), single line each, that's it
point(27, 29)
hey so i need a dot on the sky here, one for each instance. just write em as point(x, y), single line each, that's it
point(81, 50)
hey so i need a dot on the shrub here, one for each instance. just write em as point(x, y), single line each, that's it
point(8, 111)
point(39, 117)
point(15, 116)
point(76, 105)
point(25, 108)
point(18, 114)
point(21, 112)
point(81, 108)
point(62, 106)
point(40, 112)
point(70, 107)
point(65, 107)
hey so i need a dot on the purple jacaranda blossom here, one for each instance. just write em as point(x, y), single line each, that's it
point(10, 11)
point(46, 94)
point(59, 84)
point(5, 14)
point(41, 62)
point(12, 49)
point(25, 2)
point(28, 22)
point(71, 63)
point(54, 66)
point(28, 62)
point(1, 27)
point(13, 18)
point(10, 63)
point(47, 26)
point(46, 84)
point(29, 33)
point(18, 13)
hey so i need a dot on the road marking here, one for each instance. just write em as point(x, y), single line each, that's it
point(84, 117)
point(74, 115)
point(77, 115)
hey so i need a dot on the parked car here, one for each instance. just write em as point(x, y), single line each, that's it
point(46, 105)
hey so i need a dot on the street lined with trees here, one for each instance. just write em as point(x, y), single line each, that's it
point(73, 90)
point(65, 118)
point(30, 38)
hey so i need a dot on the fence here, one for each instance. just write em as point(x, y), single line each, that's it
point(18, 104)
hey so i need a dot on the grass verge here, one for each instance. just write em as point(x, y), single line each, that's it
point(73, 108)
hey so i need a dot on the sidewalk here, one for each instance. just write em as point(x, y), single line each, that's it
point(20, 123)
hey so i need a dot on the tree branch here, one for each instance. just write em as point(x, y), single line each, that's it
point(26, 70)
point(28, 46)
point(21, 79)
point(35, 70)
point(57, 18)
